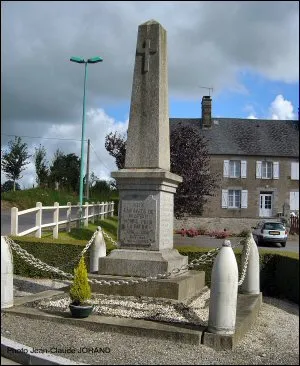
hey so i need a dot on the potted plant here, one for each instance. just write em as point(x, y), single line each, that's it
point(80, 292)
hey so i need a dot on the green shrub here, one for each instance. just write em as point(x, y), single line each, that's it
point(80, 290)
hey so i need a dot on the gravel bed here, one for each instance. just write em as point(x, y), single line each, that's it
point(273, 340)
point(189, 312)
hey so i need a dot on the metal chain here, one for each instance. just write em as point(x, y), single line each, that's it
point(203, 259)
point(243, 275)
point(77, 259)
point(30, 259)
point(110, 238)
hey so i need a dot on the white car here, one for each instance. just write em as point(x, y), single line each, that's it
point(270, 232)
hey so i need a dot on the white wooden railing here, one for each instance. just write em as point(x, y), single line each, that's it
point(90, 211)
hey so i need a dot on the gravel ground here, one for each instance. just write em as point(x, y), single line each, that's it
point(273, 340)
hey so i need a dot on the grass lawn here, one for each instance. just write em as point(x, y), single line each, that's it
point(78, 236)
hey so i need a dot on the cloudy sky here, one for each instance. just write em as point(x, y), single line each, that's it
point(248, 52)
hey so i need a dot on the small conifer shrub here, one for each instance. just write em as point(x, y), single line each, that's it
point(80, 290)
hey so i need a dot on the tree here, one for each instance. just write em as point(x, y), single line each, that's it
point(115, 144)
point(9, 186)
point(41, 168)
point(65, 170)
point(15, 159)
point(189, 159)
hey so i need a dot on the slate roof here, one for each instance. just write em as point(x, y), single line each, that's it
point(235, 136)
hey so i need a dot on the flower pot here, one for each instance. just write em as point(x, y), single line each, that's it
point(80, 311)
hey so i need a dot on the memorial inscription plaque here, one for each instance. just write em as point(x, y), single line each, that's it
point(138, 222)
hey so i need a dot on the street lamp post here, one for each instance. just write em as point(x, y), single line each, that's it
point(80, 60)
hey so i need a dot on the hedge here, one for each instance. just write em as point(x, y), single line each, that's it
point(279, 273)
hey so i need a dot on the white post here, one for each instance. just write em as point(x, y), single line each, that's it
point(14, 221)
point(69, 210)
point(7, 287)
point(223, 292)
point(55, 220)
point(93, 212)
point(112, 209)
point(78, 216)
point(102, 211)
point(98, 211)
point(98, 250)
point(105, 209)
point(251, 281)
point(86, 214)
point(38, 220)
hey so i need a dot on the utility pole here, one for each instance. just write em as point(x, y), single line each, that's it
point(87, 171)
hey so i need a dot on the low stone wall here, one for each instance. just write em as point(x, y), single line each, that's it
point(234, 225)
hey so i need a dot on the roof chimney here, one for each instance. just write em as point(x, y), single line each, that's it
point(206, 112)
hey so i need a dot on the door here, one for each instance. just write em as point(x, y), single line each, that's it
point(265, 208)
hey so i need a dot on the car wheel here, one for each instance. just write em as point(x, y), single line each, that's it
point(283, 245)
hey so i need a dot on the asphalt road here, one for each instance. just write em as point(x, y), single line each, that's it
point(27, 221)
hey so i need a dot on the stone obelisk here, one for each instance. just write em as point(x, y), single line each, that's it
point(146, 185)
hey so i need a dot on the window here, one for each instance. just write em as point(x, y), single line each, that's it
point(235, 169)
point(294, 201)
point(295, 170)
point(267, 169)
point(234, 198)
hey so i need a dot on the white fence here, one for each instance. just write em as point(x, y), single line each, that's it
point(89, 211)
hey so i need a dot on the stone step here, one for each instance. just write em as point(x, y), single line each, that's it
point(182, 287)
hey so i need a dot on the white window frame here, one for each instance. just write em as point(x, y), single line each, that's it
point(236, 198)
point(294, 201)
point(295, 170)
point(239, 172)
point(264, 167)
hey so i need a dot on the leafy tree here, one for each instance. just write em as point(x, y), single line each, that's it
point(15, 159)
point(41, 168)
point(65, 170)
point(115, 144)
point(102, 189)
point(189, 159)
point(9, 186)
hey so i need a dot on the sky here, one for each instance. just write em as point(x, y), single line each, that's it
point(247, 51)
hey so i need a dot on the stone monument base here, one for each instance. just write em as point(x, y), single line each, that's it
point(182, 287)
point(141, 263)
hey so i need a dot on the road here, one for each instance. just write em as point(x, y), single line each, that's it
point(27, 221)
point(202, 241)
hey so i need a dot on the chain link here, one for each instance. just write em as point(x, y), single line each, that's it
point(77, 259)
point(243, 275)
point(203, 259)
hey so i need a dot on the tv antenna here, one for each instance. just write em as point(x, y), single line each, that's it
point(205, 87)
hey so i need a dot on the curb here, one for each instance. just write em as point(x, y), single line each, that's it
point(27, 356)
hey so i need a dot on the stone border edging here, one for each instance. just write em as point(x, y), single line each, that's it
point(25, 356)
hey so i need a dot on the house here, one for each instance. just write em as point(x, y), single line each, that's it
point(258, 161)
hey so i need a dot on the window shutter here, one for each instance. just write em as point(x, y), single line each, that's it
point(258, 169)
point(244, 200)
point(295, 171)
point(243, 169)
point(226, 169)
point(224, 198)
point(276, 170)
point(294, 201)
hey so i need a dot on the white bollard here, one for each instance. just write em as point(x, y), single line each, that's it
point(223, 292)
point(7, 287)
point(98, 250)
point(251, 283)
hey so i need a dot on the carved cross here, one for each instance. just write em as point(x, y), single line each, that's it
point(147, 51)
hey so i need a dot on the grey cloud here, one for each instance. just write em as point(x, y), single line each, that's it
point(208, 42)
